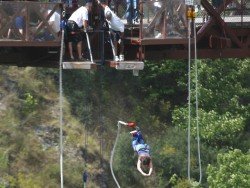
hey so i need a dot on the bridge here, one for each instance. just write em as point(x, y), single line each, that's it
point(161, 32)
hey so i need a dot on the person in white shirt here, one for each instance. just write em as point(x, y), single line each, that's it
point(78, 20)
point(49, 33)
point(116, 27)
point(54, 21)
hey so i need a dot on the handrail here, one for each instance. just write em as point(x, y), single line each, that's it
point(30, 21)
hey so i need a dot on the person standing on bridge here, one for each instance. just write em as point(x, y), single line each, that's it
point(116, 29)
point(76, 21)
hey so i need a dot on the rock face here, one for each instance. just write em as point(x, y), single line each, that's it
point(48, 135)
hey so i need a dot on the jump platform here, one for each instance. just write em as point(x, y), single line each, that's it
point(79, 65)
point(127, 65)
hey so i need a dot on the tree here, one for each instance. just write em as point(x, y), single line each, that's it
point(215, 129)
point(232, 170)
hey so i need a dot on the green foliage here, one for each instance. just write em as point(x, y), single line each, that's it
point(177, 182)
point(232, 170)
point(224, 86)
point(98, 99)
point(215, 129)
point(3, 161)
point(161, 86)
point(29, 103)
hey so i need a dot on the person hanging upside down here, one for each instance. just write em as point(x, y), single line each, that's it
point(143, 151)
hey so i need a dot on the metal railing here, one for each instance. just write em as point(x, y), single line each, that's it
point(29, 21)
point(167, 19)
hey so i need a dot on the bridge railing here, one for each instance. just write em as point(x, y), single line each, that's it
point(29, 21)
point(167, 19)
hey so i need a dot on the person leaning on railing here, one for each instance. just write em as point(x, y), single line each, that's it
point(116, 29)
point(78, 20)
point(54, 24)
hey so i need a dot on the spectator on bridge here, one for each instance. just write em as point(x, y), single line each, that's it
point(54, 24)
point(132, 11)
point(18, 26)
point(217, 3)
point(77, 21)
point(116, 28)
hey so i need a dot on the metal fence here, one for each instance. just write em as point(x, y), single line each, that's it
point(167, 18)
point(29, 21)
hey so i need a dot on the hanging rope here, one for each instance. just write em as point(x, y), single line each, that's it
point(85, 174)
point(89, 47)
point(189, 93)
point(101, 127)
point(61, 108)
point(113, 151)
point(197, 103)
point(191, 17)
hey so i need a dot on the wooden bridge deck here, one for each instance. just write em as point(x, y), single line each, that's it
point(219, 37)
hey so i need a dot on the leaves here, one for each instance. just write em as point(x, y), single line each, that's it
point(232, 170)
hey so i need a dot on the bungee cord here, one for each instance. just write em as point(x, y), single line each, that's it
point(119, 123)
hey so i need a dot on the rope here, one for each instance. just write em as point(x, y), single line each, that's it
point(87, 122)
point(112, 154)
point(85, 174)
point(196, 101)
point(61, 108)
point(89, 47)
point(197, 104)
point(189, 93)
point(112, 45)
point(101, 128)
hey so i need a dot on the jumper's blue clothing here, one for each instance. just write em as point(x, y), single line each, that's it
point(139, 144)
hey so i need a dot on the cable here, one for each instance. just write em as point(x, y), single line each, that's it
point(189, 93)
point(112, 45)
point(191, 16)
point(85, 174)
point(89, 47)
point(113, 151)
point(61, 108)
point(197, 103)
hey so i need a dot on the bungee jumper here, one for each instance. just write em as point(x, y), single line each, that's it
point(142, 150)
point(144, 162)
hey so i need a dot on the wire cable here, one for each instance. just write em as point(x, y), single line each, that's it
point(189, 93)
point(197, 103)
point(89, 47)
point(190, 19)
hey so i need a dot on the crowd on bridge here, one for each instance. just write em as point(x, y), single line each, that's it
point(43, 21)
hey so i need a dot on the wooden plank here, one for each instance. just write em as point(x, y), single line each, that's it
point(79, 65)
point(127, 65)
point(21, 43)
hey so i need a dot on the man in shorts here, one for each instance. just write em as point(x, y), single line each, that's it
point(77, 21)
